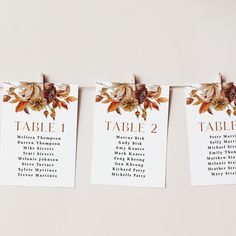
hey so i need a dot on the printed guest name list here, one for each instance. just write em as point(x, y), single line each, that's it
point(38, 157)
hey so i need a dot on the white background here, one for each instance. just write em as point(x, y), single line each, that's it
point(170, 42)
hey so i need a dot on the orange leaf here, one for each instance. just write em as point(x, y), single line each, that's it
point(59, 103)
point(99, 98)
point(71, 99)
point(145, 104)
point(204, 107)
point(149, 103)
point(54, 104)
point(6, 98)
point(62, 93)
point(21, 106)
point(64, 105)
point(189, 101)
point(153, 94)
point(162, 100)
point(113, 106)
point(155, 106)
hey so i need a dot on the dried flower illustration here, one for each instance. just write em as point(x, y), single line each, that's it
point(229, 91)
point(127, 97)
point(50, 92)
point(37, 103)
point(218, 97)
point(141, 93)
point(219, 103)
point(29, 90)
point(129, 103)
point(38, 97)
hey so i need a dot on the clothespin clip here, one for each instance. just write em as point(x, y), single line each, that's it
point(134, 81)
point(43, 80)
point(221, 81)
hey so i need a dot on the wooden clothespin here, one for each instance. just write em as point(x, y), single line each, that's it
point(134, 81)
point(43, 80)
point(221, 81)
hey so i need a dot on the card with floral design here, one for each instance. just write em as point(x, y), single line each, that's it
point(38, 134)
point(211, 118)
point(130, 134)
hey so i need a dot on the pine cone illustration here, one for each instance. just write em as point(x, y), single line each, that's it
point(50, 92)
point(230, 91)
point(141, 93)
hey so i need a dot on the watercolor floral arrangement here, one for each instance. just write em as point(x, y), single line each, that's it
point(46, 97)
point(135, 98)
point(214, 96)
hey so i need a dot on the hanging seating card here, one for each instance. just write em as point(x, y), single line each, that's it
point(130, 134)
point(211, 116)
point(38, 134)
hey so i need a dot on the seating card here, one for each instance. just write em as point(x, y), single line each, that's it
point(38, 134)
point(211, 116)
point(130, 134)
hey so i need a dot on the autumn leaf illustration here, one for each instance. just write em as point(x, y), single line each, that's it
point(214, 97)
point(39, 97)
point(113, 106)
point(21, 106)
point(71, 99)
point(162, 100)
point(189, 101)
point(204, 107)
point(99, 98)
point(155, 106)
point(127, 97)
point(6, 98)
point(64, 105)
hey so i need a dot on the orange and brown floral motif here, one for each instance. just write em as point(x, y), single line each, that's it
point(137, 98)
point(214, 96)
point(46, 97)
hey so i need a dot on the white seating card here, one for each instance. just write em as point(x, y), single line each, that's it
point(211, 116)
point(130, 134)
point(38, 134)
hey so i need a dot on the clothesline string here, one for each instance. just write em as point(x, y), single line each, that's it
point(92, 87)
point(43, 79)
